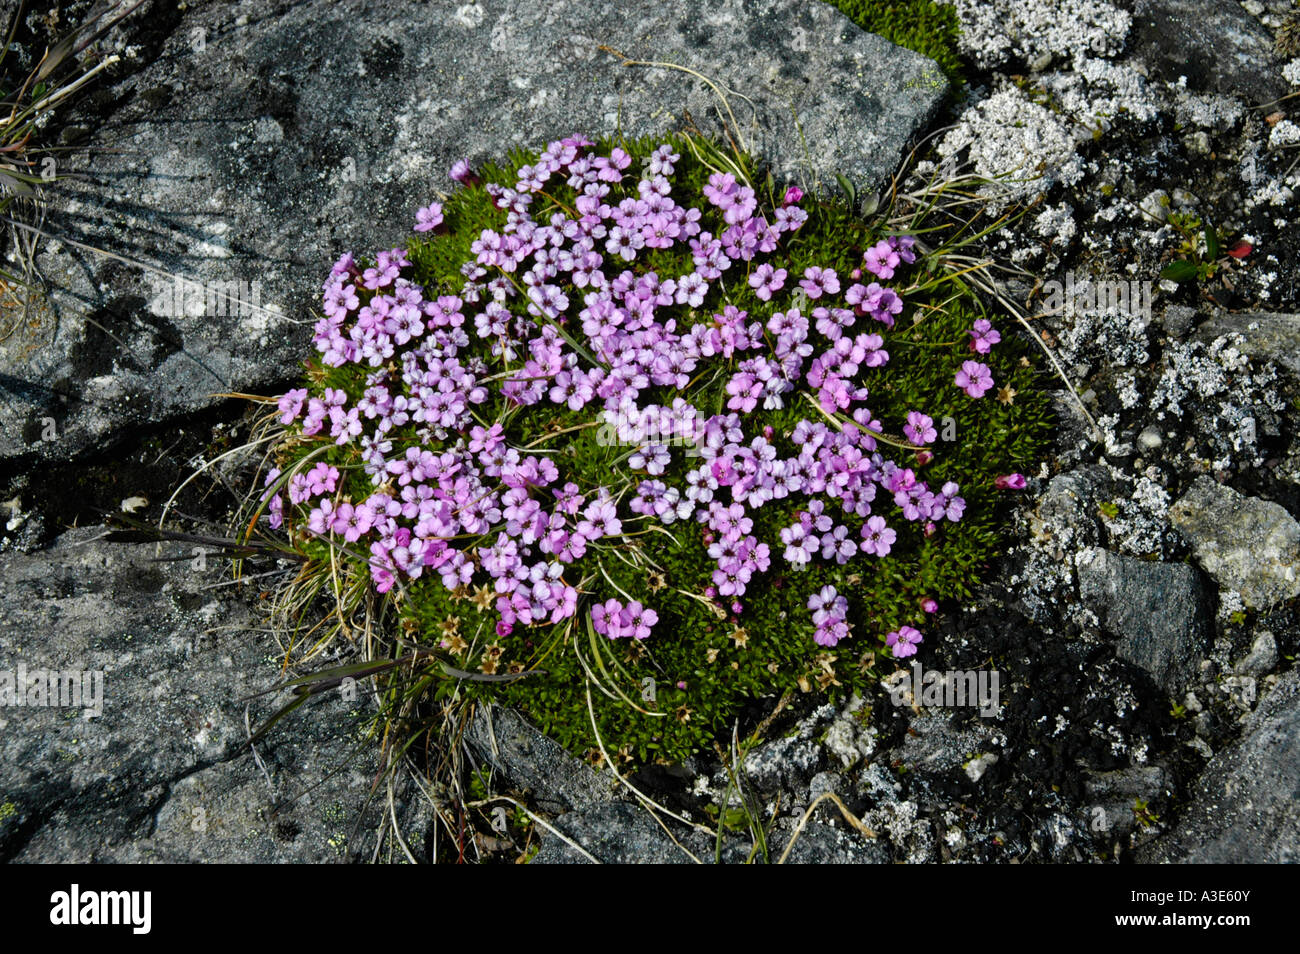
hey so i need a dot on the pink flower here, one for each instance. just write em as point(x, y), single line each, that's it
point(290, 404)
point(1010, 482)
point(428, 218)
point(460, 172)
point(767, 280)
point(974, 378)
point(604, 618)
point(819, 281)
point(881, 259)
point(616, 621)
point(903, 641)
point(983, 336)
point(878, 538)
point(919, 428)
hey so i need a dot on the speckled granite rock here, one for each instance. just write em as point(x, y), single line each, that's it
point(622, 833)
point(534, 763)
point(1247, 544)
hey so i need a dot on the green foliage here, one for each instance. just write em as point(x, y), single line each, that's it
point(1201, 252)
point(1198, 249)
point(1143, 814)
point(677, 691)
point(922, 26)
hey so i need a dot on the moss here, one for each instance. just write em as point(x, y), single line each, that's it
point(677, 691)
point(923, 26)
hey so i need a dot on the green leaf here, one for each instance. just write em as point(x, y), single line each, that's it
point(1180, 271)
point(1211, 241)
point(849, 191)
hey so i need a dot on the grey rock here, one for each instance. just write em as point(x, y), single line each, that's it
point(1242, 690)
point(1178, 320)
point(289, 137)
point(821, 844)
point(1216, 44)
point(936, 745)
point(977, 766)
point(621, 833)
point(1067, 511)
point(1244, 809)
point(1247, 544)
point(823, 783)
point(1138, 781)
point(1158, 612)
point(782, 763)
point(1262, 657)
point(1112, 795)
point(529, 760)
point(1266, 336)
point(163, 774)
point(850, 737)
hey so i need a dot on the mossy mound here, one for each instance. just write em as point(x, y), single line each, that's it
point(922, 26)
point(666, 696)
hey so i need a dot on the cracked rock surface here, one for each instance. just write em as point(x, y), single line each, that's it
point(161, 773)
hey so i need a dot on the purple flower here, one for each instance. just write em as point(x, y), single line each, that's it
point(830, 616)
point(460, 172)
point(877, 538)
point(983, 336)
point(800, 545)
point(819, 281)
point(881, 259)
point(290, 405)
point(766, 280)
point(837, 546)
point(604, 615)
point(919, 428)
point(974, 378)
point(428, 218)
point(617, 621)
point(640, 619)
point(903, 641)
point(322, 479)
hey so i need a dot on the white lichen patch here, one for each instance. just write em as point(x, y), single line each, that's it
point(1285, 133)
point(1023, 146)
point(1207, 110)
point(994, 31)
point(1056, 224)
